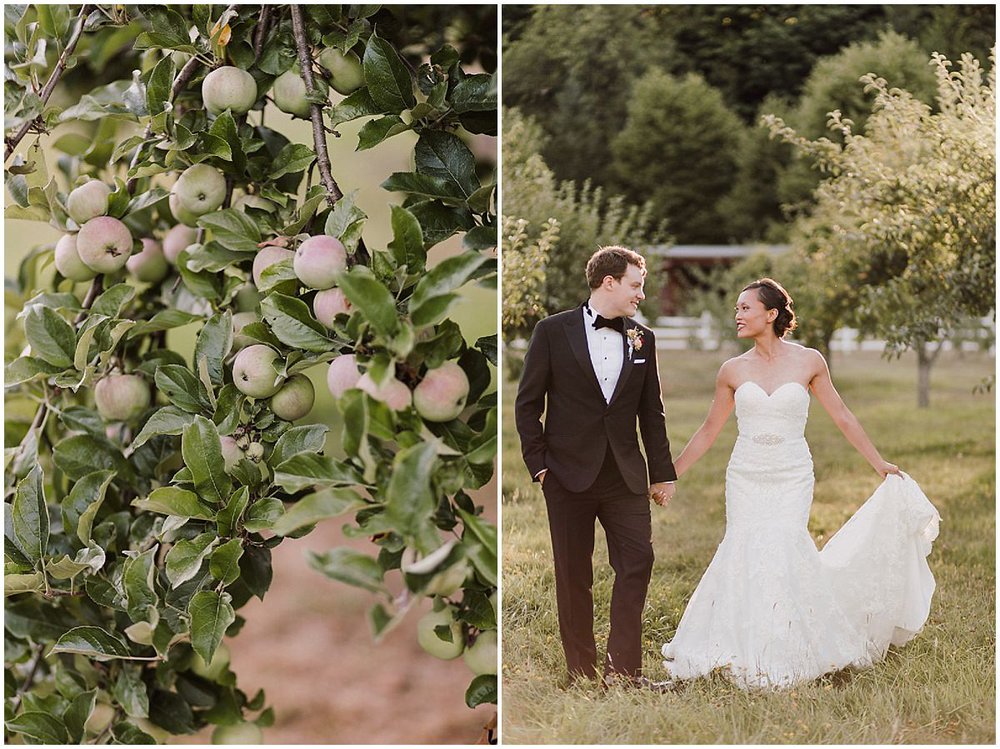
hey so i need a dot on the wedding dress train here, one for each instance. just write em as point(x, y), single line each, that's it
point(771, 610)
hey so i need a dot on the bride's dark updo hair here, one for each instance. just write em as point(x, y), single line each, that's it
point(773, 296)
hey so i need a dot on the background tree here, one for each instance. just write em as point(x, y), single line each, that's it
point(149, 484)
point(909, 209)
point(586, 219)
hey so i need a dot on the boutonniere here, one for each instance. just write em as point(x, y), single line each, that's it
point(634, 337)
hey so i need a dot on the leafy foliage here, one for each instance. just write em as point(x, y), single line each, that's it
point(131, 546)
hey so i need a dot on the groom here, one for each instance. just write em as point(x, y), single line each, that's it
point(593, 371)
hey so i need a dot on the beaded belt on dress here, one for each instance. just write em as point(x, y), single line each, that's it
point(768, 439)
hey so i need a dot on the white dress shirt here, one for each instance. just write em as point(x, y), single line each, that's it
point(607, 352)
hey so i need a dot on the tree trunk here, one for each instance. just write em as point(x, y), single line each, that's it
point(925, 360)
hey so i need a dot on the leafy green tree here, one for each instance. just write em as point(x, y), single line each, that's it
point(907, 215)
point(146, 488)
point(586, 219)
point(572, 68)
point(678, 149)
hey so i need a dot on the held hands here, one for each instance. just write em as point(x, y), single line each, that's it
point(662, 492)
point(884, 468)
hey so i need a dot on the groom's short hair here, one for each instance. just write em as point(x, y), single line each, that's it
point(612, 261)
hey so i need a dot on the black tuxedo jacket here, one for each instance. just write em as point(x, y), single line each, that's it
point(580, 426)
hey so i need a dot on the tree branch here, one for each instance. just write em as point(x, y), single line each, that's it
point(333, 193)
point(182, 80)
point(50, 84)
point(261, 31)
point(96, 287)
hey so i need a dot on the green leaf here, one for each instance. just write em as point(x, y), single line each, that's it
point(387, 78)
point(299, 439)
point(30, 516)
point(371, 297)
point(425, 185)
point(475, 93)
point(480, 238)
point(488, 345)
point(292, 159)
point(263, 514)
point(159, 84)
point(77, 713)
point(92, 642)
point(50, 336)
point(168, 420)
point(77, 456)
point(214, 343)
point(84, 500)
point(376, 131)
point(482, 690)
point(293, 324)
point(444, 155)
point(111, 301)
point(316, 507)
point(182, 388)
point(211, 614)
point(184, 560)
point(307, 469)
point(23, 583)
point(42, 727)
point(224, 127)
point(138, 574)
point(408, 498)
point(130, 735)
point(229, 516)
point(346, 222)
point(358, 104)
point(129, 691)
point(225, 562)
point(440, 221)
point(27, 368)
point(439, 283)
point(170, 500)
point(349, 566)
point(233, 229)
point(407, 245)
point(202, 451)
point(163, 320)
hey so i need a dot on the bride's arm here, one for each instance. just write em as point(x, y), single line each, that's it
point(846, 421)
point(722, 406)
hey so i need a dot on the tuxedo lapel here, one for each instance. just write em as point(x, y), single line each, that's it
point(578, 343)
point(627, 365)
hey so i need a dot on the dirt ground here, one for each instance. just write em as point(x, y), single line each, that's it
point(309, 646)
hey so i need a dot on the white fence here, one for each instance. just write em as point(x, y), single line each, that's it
point(702, 333)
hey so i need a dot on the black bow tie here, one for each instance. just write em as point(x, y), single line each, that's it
point(616, 323)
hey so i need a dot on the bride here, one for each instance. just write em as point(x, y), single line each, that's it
point(771, 611)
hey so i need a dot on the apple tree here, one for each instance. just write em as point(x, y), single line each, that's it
point(147, 482)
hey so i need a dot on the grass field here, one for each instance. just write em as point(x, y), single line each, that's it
point(940, 688)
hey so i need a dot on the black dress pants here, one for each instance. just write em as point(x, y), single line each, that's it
point(625, 517)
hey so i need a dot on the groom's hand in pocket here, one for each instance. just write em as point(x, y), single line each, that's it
point(662, 492)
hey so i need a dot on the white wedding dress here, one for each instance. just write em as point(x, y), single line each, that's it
point(771, 611)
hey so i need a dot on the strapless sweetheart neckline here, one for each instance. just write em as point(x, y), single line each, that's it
point(772, 393)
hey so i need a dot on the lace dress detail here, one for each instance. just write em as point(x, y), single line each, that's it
point(771, 610)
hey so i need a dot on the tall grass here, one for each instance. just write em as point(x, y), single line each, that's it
point(940, 688)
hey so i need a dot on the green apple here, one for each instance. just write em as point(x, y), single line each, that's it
point(481, 656)
point(121, 397)
point(211, 671)
point(230, 88)
point(88, 201)
point(433, 644)
point(347, 74)
point(238, 733)
point(68, 261)
point(182, 214)
point(99, 719)
point(441, 395)
point(150, 265)
point(104, 244)
point(295, 399)
point(289, 93)
point(254, 373)
point(176, 240)
point(200, 189)
point(318, 260)
point(342, 375)
point(267, 257)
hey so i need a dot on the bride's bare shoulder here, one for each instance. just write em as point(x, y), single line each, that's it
point(729, 371)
